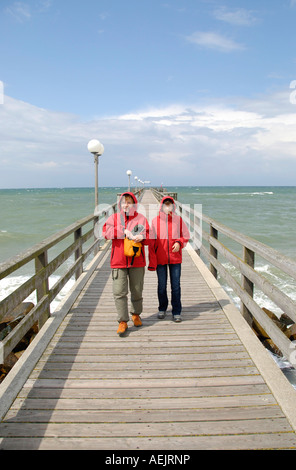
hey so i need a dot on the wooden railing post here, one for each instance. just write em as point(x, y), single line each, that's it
point(78, 252)
point(42, 289)
point(213, 251)
point(197, 232)
point(247, 285)
point(96, 222)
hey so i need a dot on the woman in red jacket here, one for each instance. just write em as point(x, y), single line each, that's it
point(127, 223)
point(171, 236)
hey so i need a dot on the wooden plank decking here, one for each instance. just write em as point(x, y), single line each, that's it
point(193, 385)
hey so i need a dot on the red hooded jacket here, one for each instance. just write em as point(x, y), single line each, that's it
point(167, 229)
point(114, 228)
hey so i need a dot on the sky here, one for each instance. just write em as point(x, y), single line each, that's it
point(180, 92)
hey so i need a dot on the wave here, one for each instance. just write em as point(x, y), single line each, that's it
point(256, 193)
point(262, 193)
point(10, 284)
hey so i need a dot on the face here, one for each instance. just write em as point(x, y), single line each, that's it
point(127, 203)
point(167, 207)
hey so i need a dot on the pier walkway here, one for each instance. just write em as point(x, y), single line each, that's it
point(205, 383)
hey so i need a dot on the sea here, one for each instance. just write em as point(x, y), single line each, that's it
point(265, 213)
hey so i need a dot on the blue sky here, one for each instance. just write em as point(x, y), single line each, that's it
point(191, 92)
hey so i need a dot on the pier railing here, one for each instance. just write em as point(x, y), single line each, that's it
point(208, 245)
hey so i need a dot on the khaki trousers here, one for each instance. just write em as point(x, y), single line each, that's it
point(124, 279)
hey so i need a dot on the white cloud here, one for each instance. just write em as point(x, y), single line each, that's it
point(240, 16)
point(174, 144)
point(23, 11)
point(42, 165)
point(168, 159)
point(173, 110)
point(45, 5)
point(20, 11)
point(216, 41)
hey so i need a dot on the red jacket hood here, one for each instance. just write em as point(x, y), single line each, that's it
point(128, 193)
point(164, 199)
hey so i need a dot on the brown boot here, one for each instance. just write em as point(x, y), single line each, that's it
point(122, 328)
point(137, 320)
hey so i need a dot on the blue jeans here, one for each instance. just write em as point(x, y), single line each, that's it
point(175, 275)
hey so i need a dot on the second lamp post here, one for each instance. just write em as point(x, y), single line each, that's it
point(96, 148)
point(129, 173)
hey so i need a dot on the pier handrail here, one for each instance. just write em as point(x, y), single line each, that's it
point(245, 264)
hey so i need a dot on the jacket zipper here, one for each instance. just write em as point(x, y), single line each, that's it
point(126, 223)
point(168, 239)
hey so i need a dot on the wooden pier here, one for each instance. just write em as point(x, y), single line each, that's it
point(206, 383)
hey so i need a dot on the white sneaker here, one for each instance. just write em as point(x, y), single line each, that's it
point(161, 315)
point(177, 318)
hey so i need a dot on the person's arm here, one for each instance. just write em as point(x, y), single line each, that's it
point(184, 235)
point(113, 229)
point(152, 249)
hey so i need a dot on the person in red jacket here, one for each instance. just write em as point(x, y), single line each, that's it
point(127, 223)
point(171, 236)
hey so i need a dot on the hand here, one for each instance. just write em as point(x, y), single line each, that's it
point(138, 238)
point(176, 247)
point(128, 234)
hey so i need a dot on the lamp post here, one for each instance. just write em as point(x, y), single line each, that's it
point(129, 173)
point(136, 178)
point(96, 148)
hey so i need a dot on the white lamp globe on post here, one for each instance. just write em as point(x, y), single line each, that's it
point(129, 173)
point(136, 178)
point(96, 148)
